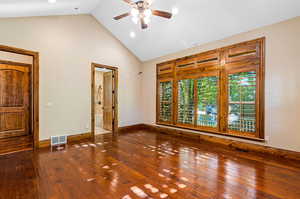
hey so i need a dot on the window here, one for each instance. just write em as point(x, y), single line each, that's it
point(242, 97)
point(165, 99)
point(186, 101)
point(207, 107)
point(219, 91)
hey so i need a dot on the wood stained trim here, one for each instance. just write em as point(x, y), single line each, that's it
point(233, 144)
point(115, 99)
point(71, 138)
point(14, 63)
point(131, 128)
point(225, 60)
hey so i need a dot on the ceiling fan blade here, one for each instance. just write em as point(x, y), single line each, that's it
point(162, 14)
point(143, 24)
point(121, 16)
point(128, 1)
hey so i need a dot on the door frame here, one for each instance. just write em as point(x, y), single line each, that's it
point(34, 91)
point(115, 119)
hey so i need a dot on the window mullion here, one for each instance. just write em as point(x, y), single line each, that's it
point(223, 92)
point(175, 101)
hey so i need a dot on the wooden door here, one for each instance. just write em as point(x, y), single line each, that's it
point(107, 100)
point(14, 100)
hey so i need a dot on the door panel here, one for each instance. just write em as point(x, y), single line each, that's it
point(107, 102)
point(14, 100)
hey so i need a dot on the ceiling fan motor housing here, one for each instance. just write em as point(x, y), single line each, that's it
point(141, 11)
point(142, 5)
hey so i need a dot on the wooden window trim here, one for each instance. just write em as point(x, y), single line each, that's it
point(206, 128)
point(194, 78)
point(257, 101)
point(242, 61)
point(176, 104)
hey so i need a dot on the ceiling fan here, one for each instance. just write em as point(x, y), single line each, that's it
point(140, 11)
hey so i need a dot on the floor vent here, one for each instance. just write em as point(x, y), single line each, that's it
point(57, 140)
point(241, 150)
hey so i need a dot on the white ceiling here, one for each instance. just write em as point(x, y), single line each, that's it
point(198, 21)
point(22, 8)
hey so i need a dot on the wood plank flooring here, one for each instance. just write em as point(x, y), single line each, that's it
point(18, 143)
point(146, 165)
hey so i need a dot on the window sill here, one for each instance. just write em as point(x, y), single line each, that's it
point(211, 132)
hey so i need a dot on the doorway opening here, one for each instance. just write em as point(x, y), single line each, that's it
point(104, 99)
point(19, 99)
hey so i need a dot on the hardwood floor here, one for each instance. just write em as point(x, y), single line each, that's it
point(13, 144)
point(142, 164)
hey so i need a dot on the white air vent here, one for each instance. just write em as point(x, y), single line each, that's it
point(57, 140)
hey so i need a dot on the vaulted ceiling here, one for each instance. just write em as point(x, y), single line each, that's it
point(198, 21)
point(22, 8)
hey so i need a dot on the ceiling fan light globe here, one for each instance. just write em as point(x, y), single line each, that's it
point(147, 20)
point(147, 13)
point(175, 11)
point(134, 12)
point(135, 20)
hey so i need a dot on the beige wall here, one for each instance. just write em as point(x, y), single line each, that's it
point(282, 125)
point(67, 46)
point(7, 56)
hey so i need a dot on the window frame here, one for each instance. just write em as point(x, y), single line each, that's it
point(176, 104)
point(257, 100)
point(208, 74)
point(242, 57)
point(158, 102)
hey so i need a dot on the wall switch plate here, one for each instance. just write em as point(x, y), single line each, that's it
point(49, 104)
